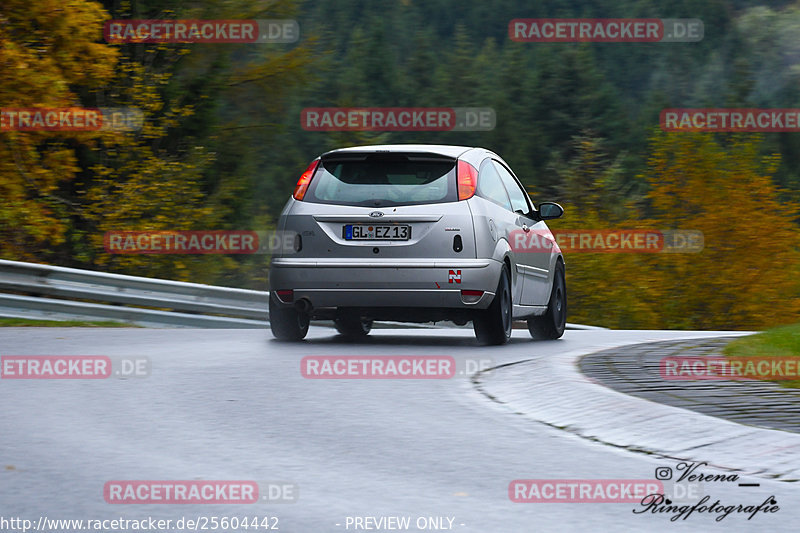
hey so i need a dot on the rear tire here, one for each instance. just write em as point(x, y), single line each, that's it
point(551, 325)
point(287, 323)
point(493, 325)
point(354, 327)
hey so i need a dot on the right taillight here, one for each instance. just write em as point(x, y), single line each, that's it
point(467, 180)
point(471, 297)
point(302, 184)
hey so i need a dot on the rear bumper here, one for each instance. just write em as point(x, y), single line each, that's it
point(386, 283)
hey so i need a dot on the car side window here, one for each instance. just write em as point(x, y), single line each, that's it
point(519, 201)
point(490, 185)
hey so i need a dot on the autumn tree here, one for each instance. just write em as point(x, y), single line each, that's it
point(748, 273)
point(603, 288)
point(47, 48)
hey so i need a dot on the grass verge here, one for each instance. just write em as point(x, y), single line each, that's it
point(781, 342)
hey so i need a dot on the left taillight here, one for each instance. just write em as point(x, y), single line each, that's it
point(302, 184)
point(286, 296)
point(467, 180)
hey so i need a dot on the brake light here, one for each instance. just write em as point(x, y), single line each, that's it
point(467, 180)
point(471, 297)
point(467, 292)
point(305, 179)
point(286, 296)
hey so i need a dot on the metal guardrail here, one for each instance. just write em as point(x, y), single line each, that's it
point(49, 292)
point(44, 292)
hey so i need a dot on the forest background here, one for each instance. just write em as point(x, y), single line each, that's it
point(222, 146)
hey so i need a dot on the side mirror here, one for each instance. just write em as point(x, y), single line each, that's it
point(549, 210)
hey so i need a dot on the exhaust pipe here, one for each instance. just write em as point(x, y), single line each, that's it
point(303, 305)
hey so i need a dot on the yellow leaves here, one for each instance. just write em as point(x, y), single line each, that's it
point(46, 47)
point(154, 178)
point(57, 40)
point(744, 277)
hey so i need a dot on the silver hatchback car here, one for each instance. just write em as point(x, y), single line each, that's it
point(416, 233)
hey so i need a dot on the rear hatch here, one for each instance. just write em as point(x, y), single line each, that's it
point(386, 205)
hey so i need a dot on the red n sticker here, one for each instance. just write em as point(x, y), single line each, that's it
point(454, 275)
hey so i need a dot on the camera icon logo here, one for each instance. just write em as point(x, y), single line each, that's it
point(663, 473)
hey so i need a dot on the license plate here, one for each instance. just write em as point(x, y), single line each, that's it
point(365, 232)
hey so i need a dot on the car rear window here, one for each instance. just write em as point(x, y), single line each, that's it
point(379, 180)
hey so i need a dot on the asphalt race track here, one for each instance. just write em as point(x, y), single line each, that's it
point(233, 405)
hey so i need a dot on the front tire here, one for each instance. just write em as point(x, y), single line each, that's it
point(287, 323)
point(353, 327)
point(493, 325)
point(551, 325)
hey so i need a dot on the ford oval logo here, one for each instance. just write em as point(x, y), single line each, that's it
point(376, 214)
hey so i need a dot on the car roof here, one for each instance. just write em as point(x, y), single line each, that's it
point(439, 149)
